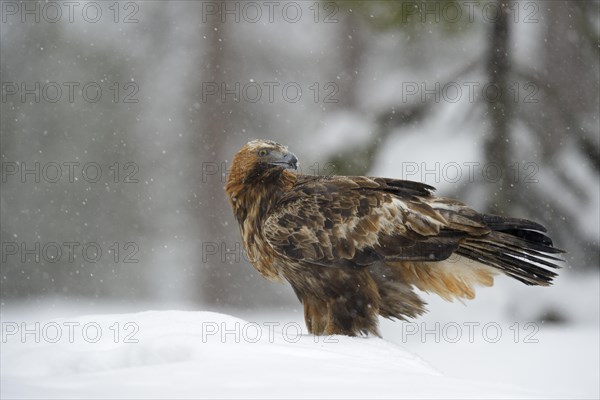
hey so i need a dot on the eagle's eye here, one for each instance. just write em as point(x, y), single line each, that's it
point(263, 152)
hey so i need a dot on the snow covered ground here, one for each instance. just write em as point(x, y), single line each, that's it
point(48, 350)
point(184, 354)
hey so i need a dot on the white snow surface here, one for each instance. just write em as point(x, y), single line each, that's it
point(194, 354)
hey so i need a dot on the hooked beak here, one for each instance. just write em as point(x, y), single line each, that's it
point(288, 161)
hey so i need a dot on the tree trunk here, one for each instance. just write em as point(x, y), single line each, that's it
point(210, 132)
point(498, 146)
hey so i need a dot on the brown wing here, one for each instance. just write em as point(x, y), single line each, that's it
point(354, 222)
point(357, 221)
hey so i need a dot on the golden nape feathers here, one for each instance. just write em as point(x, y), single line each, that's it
point(353, 248)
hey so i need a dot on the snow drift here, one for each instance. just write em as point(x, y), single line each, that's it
point(182, 354)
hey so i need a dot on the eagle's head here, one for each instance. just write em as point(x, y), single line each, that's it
point(260, 164)
point(260, 159)
point(267, 154)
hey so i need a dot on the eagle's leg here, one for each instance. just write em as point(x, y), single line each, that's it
point(341, 302)
point(351, 315)
point(341, 315)
point(315, 315)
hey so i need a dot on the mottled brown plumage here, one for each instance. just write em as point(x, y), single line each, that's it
point(353, 248)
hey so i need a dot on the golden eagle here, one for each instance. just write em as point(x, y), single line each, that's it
point(354, 247)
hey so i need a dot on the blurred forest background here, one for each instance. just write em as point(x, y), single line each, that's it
point(495, 104)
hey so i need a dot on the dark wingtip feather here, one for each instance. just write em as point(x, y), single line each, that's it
point(531, 233)
point(499, 223)
point(405, 187)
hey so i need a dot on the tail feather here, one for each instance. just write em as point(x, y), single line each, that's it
point(520, 248)
point(517, 247)
point(516, 251)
